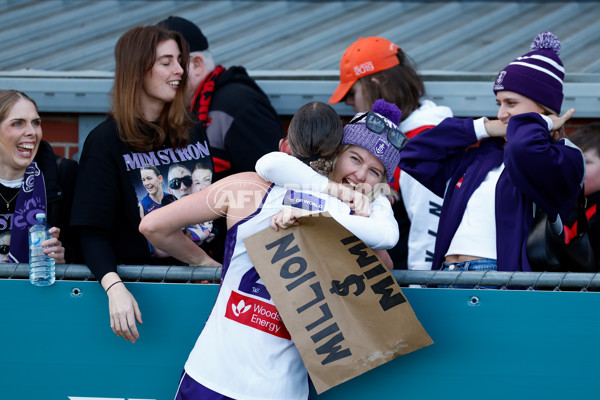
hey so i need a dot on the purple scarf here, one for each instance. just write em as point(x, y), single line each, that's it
point(30, 201)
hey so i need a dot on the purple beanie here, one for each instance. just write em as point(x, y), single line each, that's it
point(357, 134)
point(538, 74)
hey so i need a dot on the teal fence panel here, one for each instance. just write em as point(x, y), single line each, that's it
point(493, 344)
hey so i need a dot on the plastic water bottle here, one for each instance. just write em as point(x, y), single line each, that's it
point(41, 267)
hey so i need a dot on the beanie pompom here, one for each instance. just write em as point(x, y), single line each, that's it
point(546, 40)
point(388, 110)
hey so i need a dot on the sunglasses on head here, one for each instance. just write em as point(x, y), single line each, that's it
point(175, 183)
point(377, 124)
point(4, 249)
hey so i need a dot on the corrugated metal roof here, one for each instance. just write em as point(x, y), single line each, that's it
point(460, 41)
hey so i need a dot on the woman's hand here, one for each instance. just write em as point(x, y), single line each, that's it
point(495, 128)
point(122, 307)
point(53, 247)
point(357, 201)
point(287, 217)
point(558, 122)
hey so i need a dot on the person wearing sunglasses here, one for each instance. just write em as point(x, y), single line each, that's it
point(376, 68)
point(148, 125)
point(237, 358)
point(180, 180)
point(369, 153)
point(4, 246)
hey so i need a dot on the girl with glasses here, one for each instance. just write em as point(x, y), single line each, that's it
point(375, 68)
point(148, 126)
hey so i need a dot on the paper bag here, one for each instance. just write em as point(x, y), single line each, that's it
point(344, 310)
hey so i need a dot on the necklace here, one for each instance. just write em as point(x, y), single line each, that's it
point(11, 200)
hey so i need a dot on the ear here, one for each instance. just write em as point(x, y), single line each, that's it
point(284, 146)
point(196, 65)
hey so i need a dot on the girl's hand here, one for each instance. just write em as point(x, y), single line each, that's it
point(287, 217)
point(558, 122)
point(53, 248)
point(495, 128)
point(124, 312)
point(357, 201)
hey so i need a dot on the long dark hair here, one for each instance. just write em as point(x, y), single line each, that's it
point(315, 135)
point(135, 55)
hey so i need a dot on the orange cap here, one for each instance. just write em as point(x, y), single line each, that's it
point(364, 57)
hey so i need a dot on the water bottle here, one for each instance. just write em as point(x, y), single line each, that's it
point(41, 267)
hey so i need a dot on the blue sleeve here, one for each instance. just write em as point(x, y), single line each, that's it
point(432, 156)
point(550, 173)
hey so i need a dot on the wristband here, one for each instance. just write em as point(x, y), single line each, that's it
point(113, 284)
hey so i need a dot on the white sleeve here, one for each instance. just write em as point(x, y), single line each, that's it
point(289, 172)
point(378, 231)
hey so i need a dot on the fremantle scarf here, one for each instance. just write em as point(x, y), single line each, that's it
point(30, 201)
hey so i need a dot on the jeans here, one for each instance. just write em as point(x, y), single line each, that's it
point(480, 264)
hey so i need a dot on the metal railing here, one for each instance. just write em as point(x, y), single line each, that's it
point(475, 279)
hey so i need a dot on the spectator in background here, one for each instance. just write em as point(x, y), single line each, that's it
point(588, 140)
point(240, 122)
point(149, 124)
point(522, 158)
point(32, 180)
point(373, 68)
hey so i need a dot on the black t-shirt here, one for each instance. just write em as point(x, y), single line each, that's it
point(116, 186)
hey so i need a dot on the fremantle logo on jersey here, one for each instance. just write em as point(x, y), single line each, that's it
point(194, 151)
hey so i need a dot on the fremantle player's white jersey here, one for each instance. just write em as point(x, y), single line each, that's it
point(245, 351)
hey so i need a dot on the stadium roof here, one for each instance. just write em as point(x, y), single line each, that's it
point(61, 51)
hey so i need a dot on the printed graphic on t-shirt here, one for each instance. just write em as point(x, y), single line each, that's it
point(163, 176)
point(256, 314)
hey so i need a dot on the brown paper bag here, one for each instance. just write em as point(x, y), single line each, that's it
point(344, 310)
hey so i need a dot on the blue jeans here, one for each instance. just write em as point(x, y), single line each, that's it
point(481, 264)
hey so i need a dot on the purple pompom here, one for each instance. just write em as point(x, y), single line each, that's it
point(546, 40)
point(388, 110)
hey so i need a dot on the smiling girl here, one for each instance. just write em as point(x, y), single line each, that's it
point(491, 173)
point(29, 181)
point(149, 127)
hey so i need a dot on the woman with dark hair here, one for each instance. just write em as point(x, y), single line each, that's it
point(148, 126)
point(32, 180)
